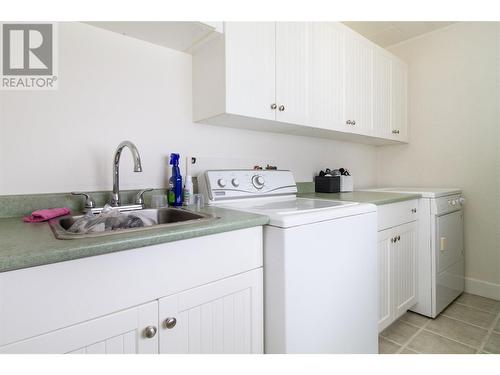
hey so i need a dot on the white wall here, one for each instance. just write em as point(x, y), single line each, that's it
point(113, 88)
point(455, 135)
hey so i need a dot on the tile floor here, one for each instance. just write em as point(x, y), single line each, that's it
point(469, 325)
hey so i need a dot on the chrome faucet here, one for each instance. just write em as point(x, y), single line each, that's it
point(115, 197)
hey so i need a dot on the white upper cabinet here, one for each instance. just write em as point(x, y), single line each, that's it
point(399, 113)
point(327, 75)
point(293, 46)
point(250, 68)
point(382, 94)
point(358, 84)
point(308, 78)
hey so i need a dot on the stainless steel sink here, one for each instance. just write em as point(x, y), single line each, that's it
point(164, 217)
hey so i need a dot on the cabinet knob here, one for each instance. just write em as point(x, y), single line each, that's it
point(399, 237)
point(393, 239)
point(170, 323)
point(273, 106)
point(281, 108)
point(150, 332)
point(395, 131)
point(414, 210)
point(353, 123)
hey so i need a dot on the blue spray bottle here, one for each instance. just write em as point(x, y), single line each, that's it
point(175, 183)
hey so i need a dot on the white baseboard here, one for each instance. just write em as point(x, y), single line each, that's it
point(482, 288)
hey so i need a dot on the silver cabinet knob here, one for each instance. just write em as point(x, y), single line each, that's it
point(353, 123)
point(281, 108)
point(395, 131)
point(273, 106)
point(399, 237)
point(393, 239)
point(170, 323)
point(150, 332)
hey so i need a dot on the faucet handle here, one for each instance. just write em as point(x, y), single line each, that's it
point(139, 199)
point(89, 202)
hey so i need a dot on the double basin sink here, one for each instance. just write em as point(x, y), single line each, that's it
point(165, 217)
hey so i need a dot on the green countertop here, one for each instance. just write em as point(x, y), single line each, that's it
point(374, 197)
point(24, 245)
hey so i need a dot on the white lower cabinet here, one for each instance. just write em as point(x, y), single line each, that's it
point(222, 317)
point(199, 295)
point(386, 312)
point(225, 316)
point(404, 268)
point(119, 333)
point(397, 269)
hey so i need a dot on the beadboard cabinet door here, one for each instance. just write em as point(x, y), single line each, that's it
point(397, 272)
point(358, 84)
point(399, 104)
point(384, 279)
point(118, 333)
point(293, 66)
point(222, 317)
point(382, 94)
point(327, 75)
point(404, 263)
point(250, 62)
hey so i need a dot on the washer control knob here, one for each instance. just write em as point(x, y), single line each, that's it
point(221, 182)
point(258, 181)
point(235, 182)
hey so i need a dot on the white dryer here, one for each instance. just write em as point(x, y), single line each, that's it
point(441, 270)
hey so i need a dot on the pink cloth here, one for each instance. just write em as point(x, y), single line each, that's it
point(44, 215)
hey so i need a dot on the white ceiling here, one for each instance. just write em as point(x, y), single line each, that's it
point(386, 33)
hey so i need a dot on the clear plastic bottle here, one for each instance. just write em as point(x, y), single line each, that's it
point(187, 193)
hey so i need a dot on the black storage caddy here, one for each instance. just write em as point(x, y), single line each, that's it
point(327, 184)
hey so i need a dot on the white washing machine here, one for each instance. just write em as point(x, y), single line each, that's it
point(441, 264)
point(320, 264)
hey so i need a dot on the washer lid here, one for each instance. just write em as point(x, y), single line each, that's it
point(426, 192)
point(297, 205)
point(290, 212)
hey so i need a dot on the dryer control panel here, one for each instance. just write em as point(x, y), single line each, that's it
point(450, 203)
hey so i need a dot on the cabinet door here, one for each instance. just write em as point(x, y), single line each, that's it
point(399, 101)
point(404, 268)
point(327, 75)
point(250, 68)
point(118, 333)
point(222, 317)
point(386, 310)
point(382, 88)
point(358, 84)
point(293, 53)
